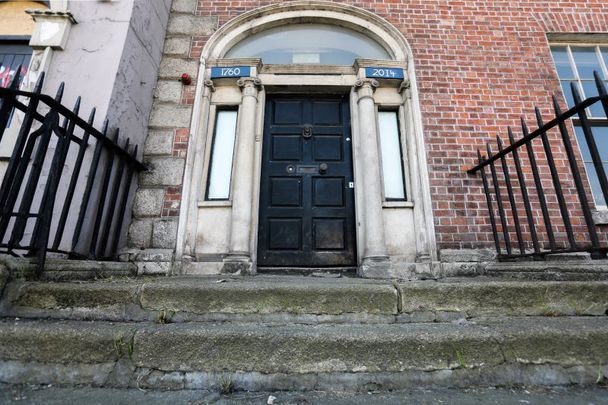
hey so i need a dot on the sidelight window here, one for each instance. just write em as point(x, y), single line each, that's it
point(222, 151)
point(391, 155)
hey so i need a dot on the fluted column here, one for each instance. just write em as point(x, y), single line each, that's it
point(239, 257)
point(375, 258)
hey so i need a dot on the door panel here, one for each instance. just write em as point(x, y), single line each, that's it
point(306, 201)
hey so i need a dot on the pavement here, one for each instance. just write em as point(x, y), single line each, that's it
point(49, 395)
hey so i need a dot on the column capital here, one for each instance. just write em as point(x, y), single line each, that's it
point(209, 87)
point(405, 89)
point(366, 87)
point(249, 86)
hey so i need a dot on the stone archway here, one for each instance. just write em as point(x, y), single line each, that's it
point(242, 219)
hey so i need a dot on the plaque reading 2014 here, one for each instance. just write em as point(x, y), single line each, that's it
point(384, 73)
point(232, 71)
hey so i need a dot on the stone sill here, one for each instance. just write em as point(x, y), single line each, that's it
point(212, 204)
point(600, 216)
point(397, 204)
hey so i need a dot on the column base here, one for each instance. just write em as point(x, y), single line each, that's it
point(375, 267)
point(238, 264)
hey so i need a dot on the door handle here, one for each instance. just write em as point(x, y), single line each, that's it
point(323, 168)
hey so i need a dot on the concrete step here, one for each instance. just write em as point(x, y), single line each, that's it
point(260, 356)
point(300, 299)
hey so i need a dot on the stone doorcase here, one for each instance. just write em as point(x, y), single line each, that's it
point(394, 239)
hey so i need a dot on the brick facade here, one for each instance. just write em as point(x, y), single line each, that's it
point(481, 65)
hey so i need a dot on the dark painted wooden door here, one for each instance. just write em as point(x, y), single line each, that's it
point(307, 216)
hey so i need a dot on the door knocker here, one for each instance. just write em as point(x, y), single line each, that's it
point(307, 131)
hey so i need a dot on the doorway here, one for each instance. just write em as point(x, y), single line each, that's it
point(307, 213)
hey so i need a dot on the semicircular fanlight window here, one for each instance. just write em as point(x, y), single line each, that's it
point(310, 44)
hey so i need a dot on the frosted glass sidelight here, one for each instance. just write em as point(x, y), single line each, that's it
point(309, 44)
point(390, 149)
point(222, 153)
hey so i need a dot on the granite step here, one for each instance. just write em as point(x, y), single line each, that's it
point(269, 356)
point(300, 299)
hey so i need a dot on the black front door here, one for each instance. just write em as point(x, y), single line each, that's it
point(306, 197)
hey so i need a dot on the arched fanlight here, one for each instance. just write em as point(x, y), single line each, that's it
point(308, 43)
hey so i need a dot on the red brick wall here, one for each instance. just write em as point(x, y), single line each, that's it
point(480, 66)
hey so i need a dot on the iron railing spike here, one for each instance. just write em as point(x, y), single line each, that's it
point(104, 128)
point(76, 108)
point(539, 117)
point(39, 83)
point(601, 88)
point(92, 116)
point(59, 94)
point(511, 137)
point(576, 94)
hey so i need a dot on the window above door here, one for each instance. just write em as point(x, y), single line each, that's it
point(318, 44)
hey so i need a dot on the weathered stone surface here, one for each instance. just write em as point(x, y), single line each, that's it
point(63, 341)
point(506, 298)
point(253, 296)
point(70, 295)
point(20, 372)
point(151, 255)
point(565, 341)
point(159, 143)
point(4, 276)
point(418, 316)
point(467, 255)
point(565, 270)
point(177, 46)
point(170, 115)
point(375, 267)
point(140, 233)
point(184, 6)
point(122, 374)
point(168, 90)
point(163, 172)
point(148, 202)
point(192, 25)
point(305, 349)
point(173, 68)
point(164, 233)
point(160, 380)
point(63, 269)
point(153, 268)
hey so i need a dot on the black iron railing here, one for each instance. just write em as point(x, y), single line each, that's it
point(564, 185)
point(67, 184)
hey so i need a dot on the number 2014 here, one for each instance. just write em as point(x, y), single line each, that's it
point(384, 72)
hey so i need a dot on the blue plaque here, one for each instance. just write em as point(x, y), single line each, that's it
point(231, 71)
point(384, 73)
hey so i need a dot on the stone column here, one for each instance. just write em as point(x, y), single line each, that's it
point(375, 263)
point(239, 256)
